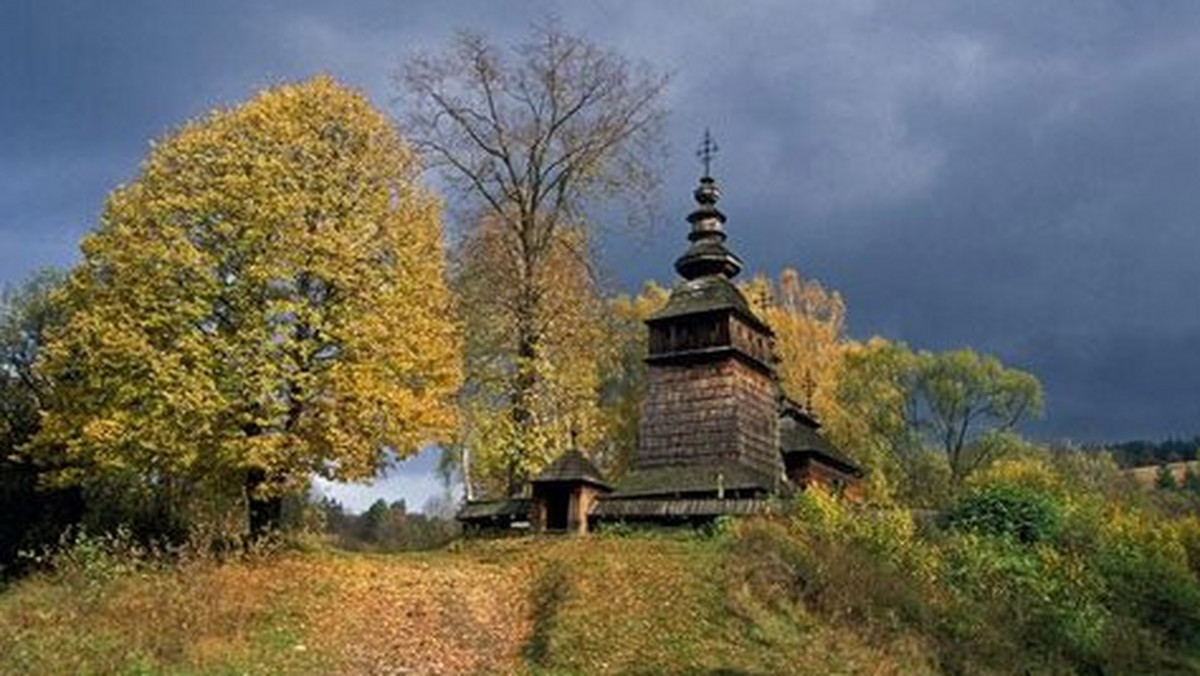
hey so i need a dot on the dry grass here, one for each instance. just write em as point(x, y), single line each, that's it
point(620, 605)
point(317, 613)
point(1147, 476)
point(671, 606)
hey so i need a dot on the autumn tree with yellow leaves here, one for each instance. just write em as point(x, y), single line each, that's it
point(809, 322)
point(265, 302)
point(815, 357)
point(561, 406)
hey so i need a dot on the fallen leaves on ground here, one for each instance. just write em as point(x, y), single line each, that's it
point(421, 615)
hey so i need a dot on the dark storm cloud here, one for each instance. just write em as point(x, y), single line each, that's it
point(1019, 177)
point(1023, 181)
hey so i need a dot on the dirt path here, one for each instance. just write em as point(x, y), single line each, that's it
point(411, 615)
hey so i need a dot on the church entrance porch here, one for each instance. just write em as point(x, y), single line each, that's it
point(564, 493)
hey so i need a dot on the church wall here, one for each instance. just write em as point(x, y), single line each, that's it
point(708, 412)
point(757, 407)
point(688, 415)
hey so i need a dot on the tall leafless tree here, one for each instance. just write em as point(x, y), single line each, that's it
point(535, 138)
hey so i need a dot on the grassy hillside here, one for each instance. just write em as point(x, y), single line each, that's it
point(1027, 573)
point(596, 605)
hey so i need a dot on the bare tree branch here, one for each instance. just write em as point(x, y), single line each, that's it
point(534, 138)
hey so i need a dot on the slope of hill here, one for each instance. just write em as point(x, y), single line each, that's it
point(1023, 575)
point(598, 605)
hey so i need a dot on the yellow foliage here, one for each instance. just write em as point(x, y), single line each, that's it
point(1189, 538)
point(625, 382)
point(891, 533)
point(1030, 472)
point(269, 293)
point(557, 386)
point(1134, 530)
point(809, 324)
point(816, 369)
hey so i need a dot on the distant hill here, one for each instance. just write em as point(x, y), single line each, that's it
point(1146, 453)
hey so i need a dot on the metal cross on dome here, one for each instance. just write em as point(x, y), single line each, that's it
point(708, 148)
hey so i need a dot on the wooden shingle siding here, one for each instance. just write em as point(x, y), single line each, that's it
point(757, 420)
point(709, 413)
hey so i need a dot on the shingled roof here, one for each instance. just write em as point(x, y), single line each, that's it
point(798, 434)
point(692, 479)
point(706, 294)
point(485, 510)
point(571, 466)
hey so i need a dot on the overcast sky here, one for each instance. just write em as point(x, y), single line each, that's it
point(1019, 177)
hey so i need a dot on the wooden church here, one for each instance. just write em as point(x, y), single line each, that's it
point(716, 435)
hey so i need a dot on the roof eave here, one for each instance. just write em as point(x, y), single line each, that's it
point(838, 463)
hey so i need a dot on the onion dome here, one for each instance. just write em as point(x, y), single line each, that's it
point(707, 254)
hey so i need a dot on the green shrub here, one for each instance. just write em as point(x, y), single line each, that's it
point(1189, 536)
point(1035, 600)
point(1006, 510)
point(864, 566)
point(90, 560)
point(1164, 479)
point(1191, 480)
point(1145, 565)
point(1029, 574)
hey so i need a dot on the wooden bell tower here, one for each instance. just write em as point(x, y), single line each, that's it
point(712, 395)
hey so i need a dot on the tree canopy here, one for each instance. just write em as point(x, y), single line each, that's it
point(918, 420)
point(32, 516)
point(903, 403)
point(966, 398)
point(266, 300)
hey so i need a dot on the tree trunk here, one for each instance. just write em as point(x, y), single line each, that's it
point(524, 382)
point(264, 513)
point(468, 487)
